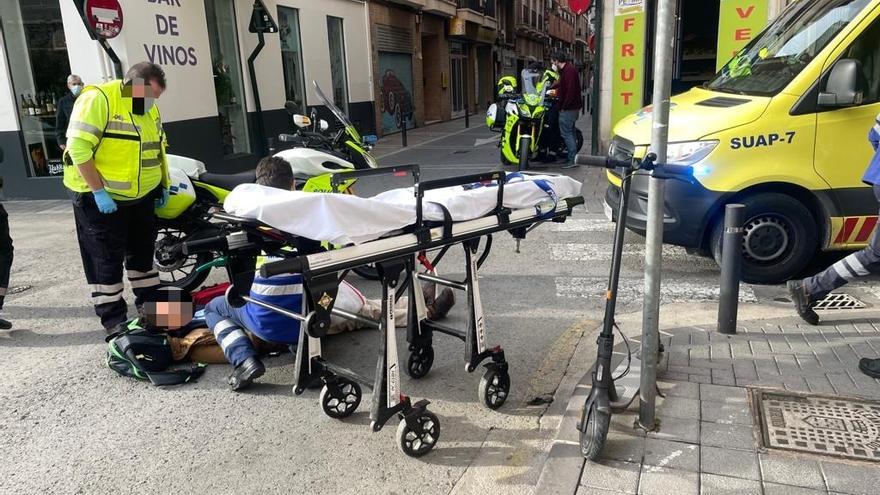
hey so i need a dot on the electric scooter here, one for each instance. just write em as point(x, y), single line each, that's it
point(596, 414)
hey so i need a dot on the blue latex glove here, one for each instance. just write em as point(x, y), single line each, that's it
point(161, 202)
point(104, 201)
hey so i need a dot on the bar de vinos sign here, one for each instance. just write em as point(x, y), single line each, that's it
point(104, 17)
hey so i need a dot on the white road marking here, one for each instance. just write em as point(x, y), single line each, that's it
point(631, 290)
point(583, 225)
point(482, 142)
point(602, 252)
point(434, 140)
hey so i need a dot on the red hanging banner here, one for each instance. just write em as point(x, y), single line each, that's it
point(578, 7)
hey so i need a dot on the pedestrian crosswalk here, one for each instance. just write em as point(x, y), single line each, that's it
point(631, 290)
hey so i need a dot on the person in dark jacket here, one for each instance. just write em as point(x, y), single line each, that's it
point(5, 255)
point(65, 108)
point(568, 96)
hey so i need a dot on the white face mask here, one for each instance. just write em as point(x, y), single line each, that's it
point(555, 67)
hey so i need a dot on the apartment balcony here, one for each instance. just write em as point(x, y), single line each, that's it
point(480, 12)
point(445, 8)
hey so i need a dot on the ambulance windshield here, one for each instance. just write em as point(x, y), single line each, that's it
point(767, 64)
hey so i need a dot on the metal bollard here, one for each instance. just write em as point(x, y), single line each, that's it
point(731, 261)
point(403, 131)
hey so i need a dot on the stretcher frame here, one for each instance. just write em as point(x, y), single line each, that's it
point(394, 257)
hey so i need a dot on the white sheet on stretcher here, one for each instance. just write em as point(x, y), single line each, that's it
point(346, 219)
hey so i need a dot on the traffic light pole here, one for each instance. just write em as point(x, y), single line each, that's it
point(656, 192)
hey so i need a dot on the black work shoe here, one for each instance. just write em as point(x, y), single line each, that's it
point(441, 306)
point(118, 328)
point(870, 367)
point(802, 302)
point(5, 324)
point(245, 373)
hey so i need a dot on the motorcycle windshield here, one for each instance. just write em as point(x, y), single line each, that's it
point(336, 111)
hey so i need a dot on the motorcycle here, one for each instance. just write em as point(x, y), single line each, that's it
point(195, 192)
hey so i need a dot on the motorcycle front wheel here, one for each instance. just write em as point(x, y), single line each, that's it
point(177, 269)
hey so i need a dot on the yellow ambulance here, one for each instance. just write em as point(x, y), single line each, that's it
point(782, 129)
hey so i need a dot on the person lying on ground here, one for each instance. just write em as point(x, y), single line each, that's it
point(230, 325)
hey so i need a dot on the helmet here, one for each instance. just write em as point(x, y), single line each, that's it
point(506, 85)
point(491, 115)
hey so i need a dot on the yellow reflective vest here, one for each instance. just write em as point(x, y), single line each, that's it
point(129, 149)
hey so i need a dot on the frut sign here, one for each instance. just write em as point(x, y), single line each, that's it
point(629, 58)
point(739, 22)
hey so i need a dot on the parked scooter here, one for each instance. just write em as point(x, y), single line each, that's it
point(596, 414)
point(196, 192)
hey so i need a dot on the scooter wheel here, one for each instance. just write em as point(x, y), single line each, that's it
point(341, 400)
point(420, 361)
point(420, 441)
point(494, 388)
point(594, 432)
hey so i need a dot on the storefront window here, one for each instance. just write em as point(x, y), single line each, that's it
point(291, 57)
point(336, 37)
point(34, 39)
point(223, 37)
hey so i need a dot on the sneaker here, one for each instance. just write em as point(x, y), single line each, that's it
point(870, 367)
point(441, 306)
point(569, 165)
point(245, 373)
point(802, 302)
point(5, 324)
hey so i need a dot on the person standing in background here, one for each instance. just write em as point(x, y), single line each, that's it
point(5, 255)
point(568, 94)
point(65, 108)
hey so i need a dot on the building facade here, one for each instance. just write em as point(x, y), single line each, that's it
point(209, 109)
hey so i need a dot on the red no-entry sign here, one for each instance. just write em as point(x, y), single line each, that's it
point(104, 17)
point(579, 6)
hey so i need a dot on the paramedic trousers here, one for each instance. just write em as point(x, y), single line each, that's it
point(228, 325)
point(856, 265)
point(106, 242)
point(5, 254)
point(567, 119)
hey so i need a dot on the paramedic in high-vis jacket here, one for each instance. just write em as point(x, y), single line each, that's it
point(807, 292)
point(116, 171)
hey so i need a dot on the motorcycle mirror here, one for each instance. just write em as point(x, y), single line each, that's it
point(301, 121)
point(291, 107)
point(324, 125)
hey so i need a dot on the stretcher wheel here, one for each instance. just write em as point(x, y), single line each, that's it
point(340, 399)
point(494, 388)
point(417, 444)
point(420, 361)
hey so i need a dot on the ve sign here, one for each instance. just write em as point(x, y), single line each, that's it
point(578, 7)
point(104, 17)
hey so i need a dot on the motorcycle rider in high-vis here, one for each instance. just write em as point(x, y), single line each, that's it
point(116, 171)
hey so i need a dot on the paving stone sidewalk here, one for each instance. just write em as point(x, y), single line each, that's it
point(707, 442)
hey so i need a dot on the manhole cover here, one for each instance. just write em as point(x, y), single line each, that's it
point(833, 302)
point(19, 289)
point(819, 425)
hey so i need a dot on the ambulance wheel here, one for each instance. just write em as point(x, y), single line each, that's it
point(421, 358)
point(342, 401)
point(418, 443)
point(494, 388)
point(779, 238)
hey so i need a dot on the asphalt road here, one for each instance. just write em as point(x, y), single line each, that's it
point(69, 425)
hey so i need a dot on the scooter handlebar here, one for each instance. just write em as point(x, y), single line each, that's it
point(601, 161)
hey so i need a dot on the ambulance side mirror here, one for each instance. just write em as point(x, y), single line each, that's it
point(844, 85)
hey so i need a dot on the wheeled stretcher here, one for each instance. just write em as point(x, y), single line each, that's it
point(397, 256)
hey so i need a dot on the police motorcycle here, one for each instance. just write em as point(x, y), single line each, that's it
point(522, 119)
point(315, 154)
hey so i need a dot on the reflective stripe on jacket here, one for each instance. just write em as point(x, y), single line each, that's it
point(129, 149)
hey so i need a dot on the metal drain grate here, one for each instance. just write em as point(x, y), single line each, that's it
point(819, 425)
point(833, 302)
